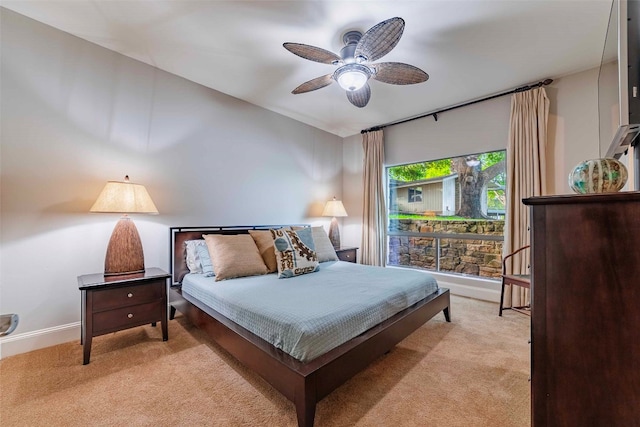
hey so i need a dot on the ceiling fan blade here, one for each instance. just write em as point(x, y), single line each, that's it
point(360, 97)
point(312, 53)
point(380, 39)
point(317, 83)
point(397, 73)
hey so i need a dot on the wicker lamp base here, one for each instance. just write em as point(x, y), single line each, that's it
point(334, 233)
point(124, 253)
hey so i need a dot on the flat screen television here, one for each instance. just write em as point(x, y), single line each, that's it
point(618, 83)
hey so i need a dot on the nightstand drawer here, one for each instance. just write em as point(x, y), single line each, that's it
point(128, 295)
point(127, 317)
point(348, 255)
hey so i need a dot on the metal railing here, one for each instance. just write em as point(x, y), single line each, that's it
point(445, 236)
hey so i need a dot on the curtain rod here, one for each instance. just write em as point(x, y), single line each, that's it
point(435, 113)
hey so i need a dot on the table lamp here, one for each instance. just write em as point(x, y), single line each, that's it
point(124, 253)
point(334, 208)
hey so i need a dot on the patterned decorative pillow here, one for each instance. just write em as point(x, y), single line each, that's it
point(295, 252)
point(234, 256)
point(192, 259)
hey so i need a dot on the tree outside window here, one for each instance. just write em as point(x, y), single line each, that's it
point(479, 184)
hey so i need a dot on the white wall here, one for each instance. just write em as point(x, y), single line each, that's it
point(353, 199)
point(473, 129)
point(75, 115)
point(573, 134)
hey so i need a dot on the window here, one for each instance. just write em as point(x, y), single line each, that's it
point(415, 194)
point(462, 197)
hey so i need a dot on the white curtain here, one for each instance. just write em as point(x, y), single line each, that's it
point(374, 214)
point(526, 177)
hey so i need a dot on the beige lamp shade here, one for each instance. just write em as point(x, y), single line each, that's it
point(334, 208)
point(124, 253)
point(124, 197)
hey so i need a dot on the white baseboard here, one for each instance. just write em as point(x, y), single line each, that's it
point(22, 343)
point(467, 286)
point(482, 289)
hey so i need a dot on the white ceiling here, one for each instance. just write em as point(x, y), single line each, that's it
point(470, 48)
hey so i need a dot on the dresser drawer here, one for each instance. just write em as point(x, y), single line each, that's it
point(128, 295)
point(127, 317)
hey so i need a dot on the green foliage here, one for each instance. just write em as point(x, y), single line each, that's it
point(490, 159)
point(423, 170)
point(438, 168)
point(443, 167)
point(424, 217)
point(495, 198)
point(408, 173)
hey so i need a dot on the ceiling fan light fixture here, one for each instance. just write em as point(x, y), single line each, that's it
point(352, 76)
point(360, 59)
point(350, 39)
point(354, 64)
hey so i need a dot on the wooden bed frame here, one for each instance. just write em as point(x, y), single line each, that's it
point(304, 384)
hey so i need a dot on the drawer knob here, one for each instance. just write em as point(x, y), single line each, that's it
point(130, 315)
point(129, 294)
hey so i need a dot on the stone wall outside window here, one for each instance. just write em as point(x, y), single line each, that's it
point(477, 257)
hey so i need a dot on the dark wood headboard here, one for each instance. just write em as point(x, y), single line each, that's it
point(179, 235)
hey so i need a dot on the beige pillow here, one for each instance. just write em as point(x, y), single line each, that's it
point(264, 242)
point(323, 246)
point(234, 255)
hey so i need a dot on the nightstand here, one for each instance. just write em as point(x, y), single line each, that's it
point(347, 254)
point(114, 303)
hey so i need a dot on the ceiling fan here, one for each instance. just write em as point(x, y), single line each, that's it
point(354, 62)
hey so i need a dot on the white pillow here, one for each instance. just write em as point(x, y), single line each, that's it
point(193, 260)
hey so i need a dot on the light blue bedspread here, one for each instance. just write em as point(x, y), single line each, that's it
point(308, 315)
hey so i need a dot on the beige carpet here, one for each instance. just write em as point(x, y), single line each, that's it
point(471, 372)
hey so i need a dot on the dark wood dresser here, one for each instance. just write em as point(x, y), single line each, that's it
point(585, 312)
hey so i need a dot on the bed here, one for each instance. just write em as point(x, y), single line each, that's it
point(313, 373)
